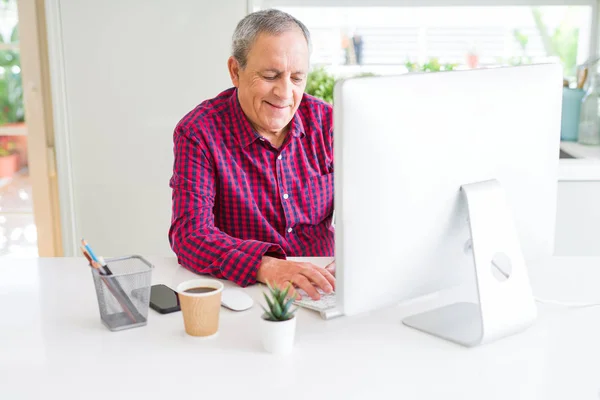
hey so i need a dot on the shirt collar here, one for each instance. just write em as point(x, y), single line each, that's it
point(246, 134)
point(296, 126)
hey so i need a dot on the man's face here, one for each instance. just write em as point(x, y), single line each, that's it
point(271, 85)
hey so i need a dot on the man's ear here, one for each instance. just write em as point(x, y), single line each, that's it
point(234, 70)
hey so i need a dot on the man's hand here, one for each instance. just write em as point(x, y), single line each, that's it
point(301, 274)
point(331, 267)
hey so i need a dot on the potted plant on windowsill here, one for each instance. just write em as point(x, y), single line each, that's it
point(278, 323)
point(8, 157)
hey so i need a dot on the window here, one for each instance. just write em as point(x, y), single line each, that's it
point(398, 39)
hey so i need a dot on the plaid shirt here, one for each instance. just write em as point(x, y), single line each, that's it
point(237, 198)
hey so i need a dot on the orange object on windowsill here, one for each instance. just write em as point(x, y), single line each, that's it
point(8, 157)
point(8, 165)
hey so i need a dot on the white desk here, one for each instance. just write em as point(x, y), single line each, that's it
point(53, 346)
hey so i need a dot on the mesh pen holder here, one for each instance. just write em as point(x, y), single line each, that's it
point(124, 294)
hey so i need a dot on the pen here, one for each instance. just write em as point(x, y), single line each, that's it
point(104, 265)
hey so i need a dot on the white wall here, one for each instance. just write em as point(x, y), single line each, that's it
point(129, 70)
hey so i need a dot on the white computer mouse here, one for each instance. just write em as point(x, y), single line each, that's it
point(236, 299)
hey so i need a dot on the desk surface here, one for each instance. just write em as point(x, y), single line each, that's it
point(53, 345)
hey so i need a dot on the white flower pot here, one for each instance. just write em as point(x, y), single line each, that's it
point(278, 336)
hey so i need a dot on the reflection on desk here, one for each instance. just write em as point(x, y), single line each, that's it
point(54, 346)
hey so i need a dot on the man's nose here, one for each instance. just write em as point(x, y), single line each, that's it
point(283, 89)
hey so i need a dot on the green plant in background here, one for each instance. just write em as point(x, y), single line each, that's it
point(432, 65)
point(563, 41)
point(11, 88)
point(411, 66)
point(364, 75)
point(279, 304)
point(7, 146)
point(565, 46)
point(523, 41)
point(11, 85)
point(320, 83)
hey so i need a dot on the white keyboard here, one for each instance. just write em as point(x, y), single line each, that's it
point(326, 302)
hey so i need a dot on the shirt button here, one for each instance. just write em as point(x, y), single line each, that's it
point(279, 157)
point(285, 196)
point(290, 230)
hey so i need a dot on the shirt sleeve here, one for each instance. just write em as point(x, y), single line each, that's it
point(198, 244)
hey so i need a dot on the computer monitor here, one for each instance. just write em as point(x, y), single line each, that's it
point(404, 146)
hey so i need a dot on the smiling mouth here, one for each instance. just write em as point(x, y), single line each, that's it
point(277, 107)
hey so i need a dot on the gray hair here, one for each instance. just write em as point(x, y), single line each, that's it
point(271, 21)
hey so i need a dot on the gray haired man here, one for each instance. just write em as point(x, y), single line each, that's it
point(253, 174)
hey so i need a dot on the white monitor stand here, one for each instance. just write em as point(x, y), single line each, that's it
point(506, 304)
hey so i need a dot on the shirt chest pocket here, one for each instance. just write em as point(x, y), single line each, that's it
point(319, 197)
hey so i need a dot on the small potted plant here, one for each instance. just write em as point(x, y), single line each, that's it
point(278, 322)
point(8, 157)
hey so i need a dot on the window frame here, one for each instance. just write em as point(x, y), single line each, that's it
point(593, 51)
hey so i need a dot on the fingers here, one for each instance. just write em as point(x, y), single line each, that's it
point(329, 276)
point(283, 285)
point(331, 268)
point(292, 292)
point(305, 276)
point(303, 283)
point(317, 276)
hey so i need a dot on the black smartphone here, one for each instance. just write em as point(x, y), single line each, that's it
point(163, 299)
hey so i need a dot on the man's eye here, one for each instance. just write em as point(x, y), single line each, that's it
point(297, 80)
point(269, 78)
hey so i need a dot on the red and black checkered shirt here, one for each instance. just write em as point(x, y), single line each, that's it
point(237, 198)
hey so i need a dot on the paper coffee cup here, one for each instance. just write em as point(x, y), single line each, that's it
point(200, 310)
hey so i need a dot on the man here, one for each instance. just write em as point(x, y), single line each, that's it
point(253, 173)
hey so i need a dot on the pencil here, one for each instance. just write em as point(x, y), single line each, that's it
point(89, 249)
point(87, 256)
point(92, 263)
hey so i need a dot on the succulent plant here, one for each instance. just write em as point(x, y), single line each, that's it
point(279, 304)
